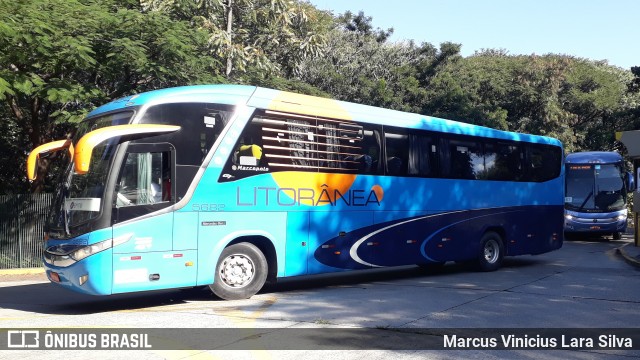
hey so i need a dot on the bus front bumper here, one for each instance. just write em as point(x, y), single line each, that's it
point(91, 275)
point(595, 226)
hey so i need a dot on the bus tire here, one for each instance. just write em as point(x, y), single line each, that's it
point(240, 273)
point(617, 235)
point(491, 252)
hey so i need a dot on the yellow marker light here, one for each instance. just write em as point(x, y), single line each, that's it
point(188, 263)
point(32, 160)
point(84, 147)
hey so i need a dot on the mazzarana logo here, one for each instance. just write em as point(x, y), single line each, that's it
point(23, 339)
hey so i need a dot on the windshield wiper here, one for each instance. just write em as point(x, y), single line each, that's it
point(585, 201)
point(65, 212)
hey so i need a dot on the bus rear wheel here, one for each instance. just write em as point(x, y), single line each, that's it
point(240, 273)
point(491, 252)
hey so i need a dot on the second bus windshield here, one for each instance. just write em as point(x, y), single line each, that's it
point(595, 188)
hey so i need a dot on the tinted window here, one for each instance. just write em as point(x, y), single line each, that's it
point(544, 162)
point(397, 151)
point(423, 154)
point(290, 144)
point(371, 150)
point(200, 126)
point(465, 159)
point(503, 161)
point(274, 142)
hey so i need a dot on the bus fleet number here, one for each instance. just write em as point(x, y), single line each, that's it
point(207, 207)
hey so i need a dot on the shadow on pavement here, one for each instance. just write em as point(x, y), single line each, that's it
point(47, 298)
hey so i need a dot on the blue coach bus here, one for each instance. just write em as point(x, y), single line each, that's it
point(231, 186)
point(597, 187)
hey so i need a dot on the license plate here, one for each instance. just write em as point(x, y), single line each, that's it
point(595, 228)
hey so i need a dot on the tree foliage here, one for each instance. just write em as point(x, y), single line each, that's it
point(273, 36)
point(359, 65)
point(575, 100)
point(67, 56)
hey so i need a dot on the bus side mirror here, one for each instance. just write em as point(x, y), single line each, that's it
point(631, 184)
point(34, 156)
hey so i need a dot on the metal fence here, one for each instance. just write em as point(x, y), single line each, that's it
point(22, 220)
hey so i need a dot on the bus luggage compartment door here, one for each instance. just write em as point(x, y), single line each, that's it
point(147, 261)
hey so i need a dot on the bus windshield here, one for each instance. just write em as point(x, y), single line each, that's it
point(595, 188)
point(80, 196)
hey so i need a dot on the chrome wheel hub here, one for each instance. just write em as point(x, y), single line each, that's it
point(491, 251)
point(237, 270)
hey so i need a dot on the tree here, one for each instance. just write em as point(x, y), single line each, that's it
point(634, 84)
point(63, 57)
point(359, 65)
point(578, 101)
point(470, 90)
point(594, 94)
point(272, 36)
point(363, 25)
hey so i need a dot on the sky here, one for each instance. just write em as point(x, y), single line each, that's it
point(594, 29)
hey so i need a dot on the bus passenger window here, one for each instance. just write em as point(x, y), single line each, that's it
point(466, 159)
point(503, 161)
point(544, 162)
point(397, 147)
point(274, 142)
point(371, 150)
point(423, 156)
point(346, 147)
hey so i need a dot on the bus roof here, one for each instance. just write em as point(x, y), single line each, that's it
point(593, 157)
point(231, 94)
point(277, 100)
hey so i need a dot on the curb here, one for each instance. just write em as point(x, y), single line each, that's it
point(25, 271)
point(630, 259)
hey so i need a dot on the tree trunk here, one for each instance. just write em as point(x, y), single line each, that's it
point(229, 29)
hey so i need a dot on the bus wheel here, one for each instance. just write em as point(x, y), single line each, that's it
point(240, 273)
point(491, 252)
point(617, 236)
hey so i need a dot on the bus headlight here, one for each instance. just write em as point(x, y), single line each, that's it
point(623, 215)
point(67, 255)
point(89, 250)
